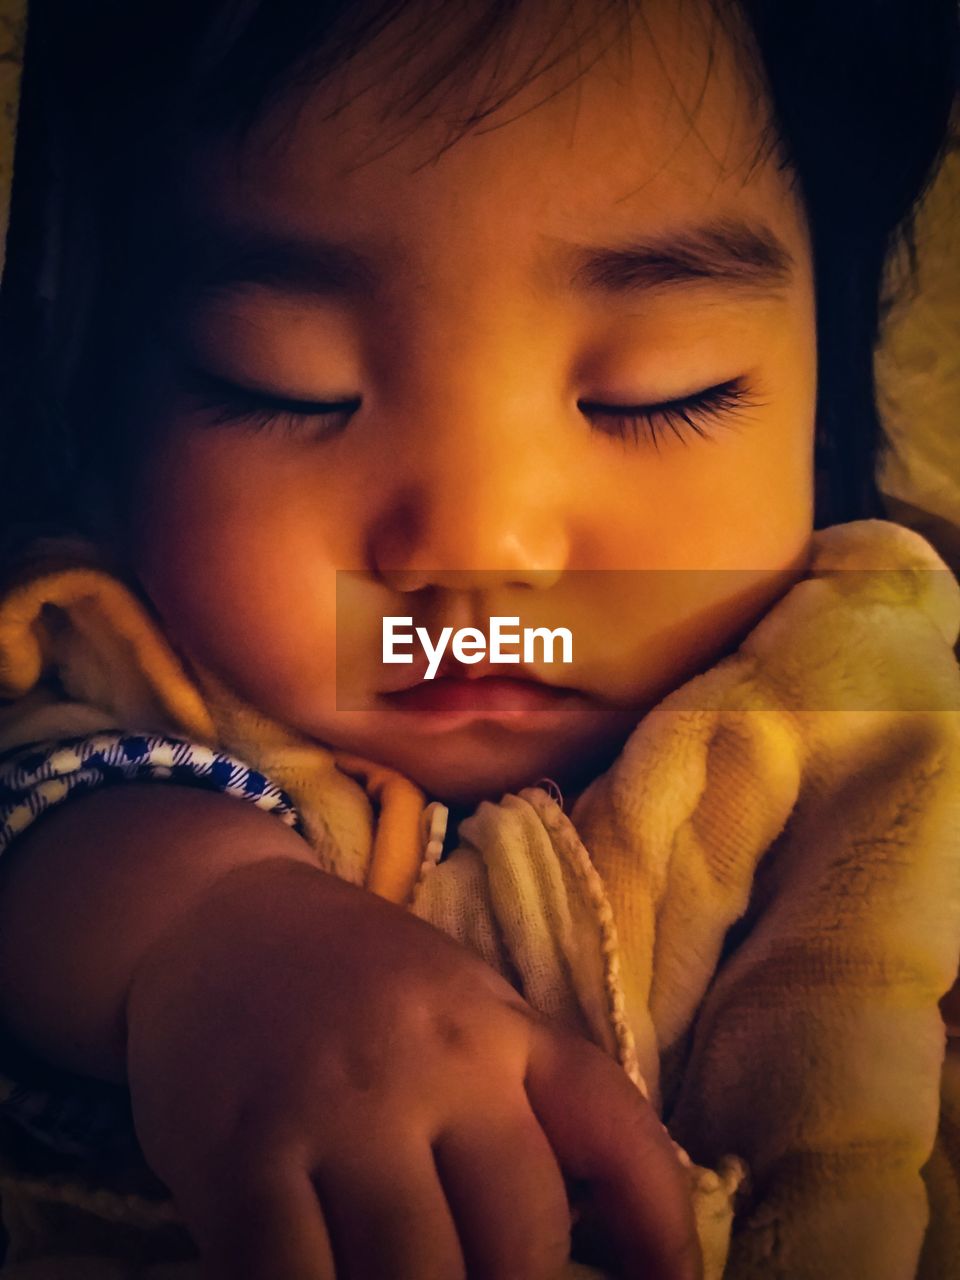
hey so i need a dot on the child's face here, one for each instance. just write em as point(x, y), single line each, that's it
point(470, 342)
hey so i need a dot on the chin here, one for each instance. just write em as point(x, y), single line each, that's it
point(464, 774)
point(444, 780)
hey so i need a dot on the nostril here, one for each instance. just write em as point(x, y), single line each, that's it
point(405, 581)
point(538, 579)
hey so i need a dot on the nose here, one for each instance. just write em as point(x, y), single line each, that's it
point(480, 500)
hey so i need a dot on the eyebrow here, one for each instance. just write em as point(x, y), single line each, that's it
point(218, 260)
point(727, 253)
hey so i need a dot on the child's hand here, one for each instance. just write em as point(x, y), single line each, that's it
point(316, 1073)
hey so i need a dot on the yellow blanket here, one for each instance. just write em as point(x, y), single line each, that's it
point(756, 908)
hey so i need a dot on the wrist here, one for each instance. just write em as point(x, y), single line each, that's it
point(109, 876)
point(236, 925)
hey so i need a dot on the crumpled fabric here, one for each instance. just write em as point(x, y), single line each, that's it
point(756, 909)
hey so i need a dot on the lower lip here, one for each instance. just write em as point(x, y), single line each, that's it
point(491, 697)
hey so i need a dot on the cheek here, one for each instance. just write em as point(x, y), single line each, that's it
point(711, 535)
point(243, 581)
point(743, 499)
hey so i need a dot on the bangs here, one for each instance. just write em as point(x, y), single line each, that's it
point(217, 66)
point(279, 48)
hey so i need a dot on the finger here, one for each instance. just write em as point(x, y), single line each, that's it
point(387, 1214)
point(602, 1130)
point(507, 1195)
point(261, 1225)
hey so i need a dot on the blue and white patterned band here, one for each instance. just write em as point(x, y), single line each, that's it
point(35, 778)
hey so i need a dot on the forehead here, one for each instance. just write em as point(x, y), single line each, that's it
point(648, 119)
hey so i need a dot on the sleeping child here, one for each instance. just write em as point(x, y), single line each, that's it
point(325, 323)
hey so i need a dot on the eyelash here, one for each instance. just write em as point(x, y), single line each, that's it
point(229, 404)
point(683, 417)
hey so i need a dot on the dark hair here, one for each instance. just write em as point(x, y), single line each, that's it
point(861, 91)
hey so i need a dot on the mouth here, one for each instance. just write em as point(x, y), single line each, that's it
point(484, 695)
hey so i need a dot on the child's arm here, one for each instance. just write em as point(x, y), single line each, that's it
point(310, 1064)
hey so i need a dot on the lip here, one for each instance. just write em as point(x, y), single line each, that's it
point(497, 696)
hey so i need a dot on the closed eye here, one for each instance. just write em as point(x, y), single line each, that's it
point(225, 403)
point(684, 417)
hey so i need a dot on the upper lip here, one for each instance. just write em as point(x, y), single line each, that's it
point(451, 668)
